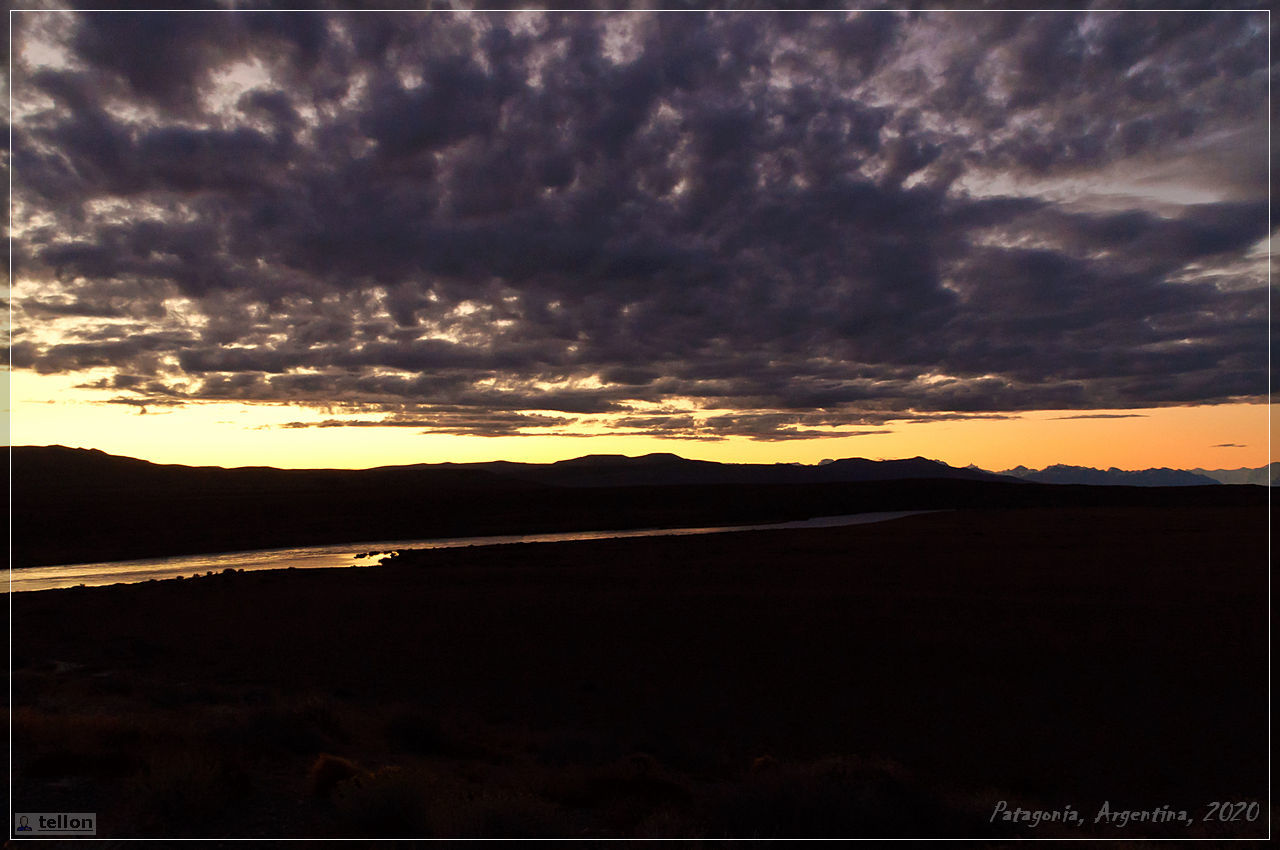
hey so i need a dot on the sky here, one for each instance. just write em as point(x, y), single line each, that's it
point(346, 239)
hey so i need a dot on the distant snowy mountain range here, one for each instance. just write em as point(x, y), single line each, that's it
point(1063, 474)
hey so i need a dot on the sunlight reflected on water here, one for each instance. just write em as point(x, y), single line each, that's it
point(344, 554)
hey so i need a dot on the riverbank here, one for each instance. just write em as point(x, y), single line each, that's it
point(79, 507)
point(337, 556)
point(897, 679)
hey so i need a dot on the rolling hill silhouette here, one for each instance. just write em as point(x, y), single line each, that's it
point(79, 505)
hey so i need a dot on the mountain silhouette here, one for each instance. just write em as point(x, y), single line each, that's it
point(84, 505)
point(1064, 474)
point(1264, 475)
point(665, 469)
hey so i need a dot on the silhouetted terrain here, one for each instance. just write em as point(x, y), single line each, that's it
point(1264, 475)
point(1163, 477)
point(75, 505)
point(1063, 474)
point(898, 679)
point(662, 469)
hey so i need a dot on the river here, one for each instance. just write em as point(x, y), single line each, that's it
point(344, 554)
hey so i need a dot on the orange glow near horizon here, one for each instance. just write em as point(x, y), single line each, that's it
point(1226, 436)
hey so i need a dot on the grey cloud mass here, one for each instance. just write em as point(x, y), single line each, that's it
point(692, 225)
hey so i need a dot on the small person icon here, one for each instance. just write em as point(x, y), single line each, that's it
point(23, 826)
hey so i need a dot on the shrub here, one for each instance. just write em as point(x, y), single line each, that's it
point(836, 797)
point(185, 794)
point(497, 813)
point(327, 773)
point(387, 803)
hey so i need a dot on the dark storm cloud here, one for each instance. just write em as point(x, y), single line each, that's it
point(704, 224)
point(484, 424)
point(134, 350)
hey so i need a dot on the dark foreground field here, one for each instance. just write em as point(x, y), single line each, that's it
point(896, 679)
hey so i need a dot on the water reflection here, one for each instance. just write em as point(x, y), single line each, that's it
point(344, 554)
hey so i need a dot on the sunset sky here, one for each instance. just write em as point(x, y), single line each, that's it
point(360, 238)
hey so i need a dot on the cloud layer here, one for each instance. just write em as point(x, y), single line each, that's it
point(684, 224)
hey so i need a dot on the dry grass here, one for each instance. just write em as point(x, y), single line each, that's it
point(893, 680)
